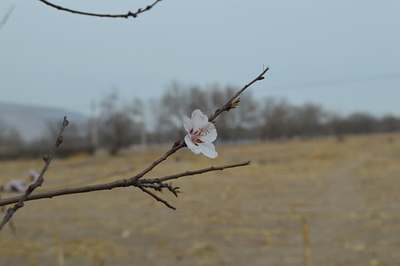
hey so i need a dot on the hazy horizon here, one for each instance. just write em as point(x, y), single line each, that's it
point(342, 55)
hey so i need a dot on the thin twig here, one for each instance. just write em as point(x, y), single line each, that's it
point(7, 16)
point(124, 15)
point(39, 181)
point(116, 184)
point(10, 223)
point(231, 102)
point(158, 184)
point(195, 172)
point(177, 146)
point(161, 186)
point(157, 198)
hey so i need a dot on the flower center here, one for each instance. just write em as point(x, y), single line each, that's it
point(195, 135)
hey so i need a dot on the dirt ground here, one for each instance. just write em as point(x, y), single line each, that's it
point(301, 202)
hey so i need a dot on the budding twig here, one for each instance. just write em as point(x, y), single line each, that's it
point(179, 144)
point(234, 100)
point(124, 15)
point(39, 181)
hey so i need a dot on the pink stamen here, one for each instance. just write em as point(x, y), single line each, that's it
point(197, 134)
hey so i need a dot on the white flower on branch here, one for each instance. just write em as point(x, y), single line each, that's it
point(201, 134)
point(15, 186)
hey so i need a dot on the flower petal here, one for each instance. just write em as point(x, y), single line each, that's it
point(194, 148)
point(187, 123)
point(211, 133)
point(199, 120)
point(208, 149)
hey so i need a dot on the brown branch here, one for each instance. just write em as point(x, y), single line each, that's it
point(157, 198)
point(159, 184)
point(177, 146)
point(116, 184)
point(124, 15)
point(10, 223)
point(225, 108)
point(195, 172)
point(39, 181)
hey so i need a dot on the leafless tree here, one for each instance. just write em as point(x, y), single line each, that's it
point(308, 120)
point(11, 142)
point(277, 119)
point(120, 125)
point(390, 123)
point(137, 109)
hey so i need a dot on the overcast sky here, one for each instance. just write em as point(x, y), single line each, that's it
point(344, 54)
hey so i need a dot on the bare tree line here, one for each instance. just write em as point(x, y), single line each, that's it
point(256, 119)
point(119, 125)
point(265, 119)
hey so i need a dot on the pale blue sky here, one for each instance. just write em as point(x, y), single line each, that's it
point(343, 54)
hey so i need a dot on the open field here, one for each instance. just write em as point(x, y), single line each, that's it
point(317, 202)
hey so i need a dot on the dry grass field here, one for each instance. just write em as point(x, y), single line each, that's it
point(317, 202)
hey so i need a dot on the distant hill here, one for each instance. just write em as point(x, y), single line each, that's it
point(32, 121)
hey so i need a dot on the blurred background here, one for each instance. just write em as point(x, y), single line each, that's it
point(322, 131)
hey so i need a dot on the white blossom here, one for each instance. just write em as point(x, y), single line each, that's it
point(15, 186)
point(201, 134)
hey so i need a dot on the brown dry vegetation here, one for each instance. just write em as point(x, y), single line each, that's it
point(318, 202)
